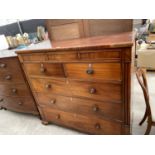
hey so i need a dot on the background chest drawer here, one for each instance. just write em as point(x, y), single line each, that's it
point(104, 71)
point(83, 123)
point(80, 106)
point(19, 104)
point(44, 69)
point(50, 86)
point(14, 90)
point(97, 91)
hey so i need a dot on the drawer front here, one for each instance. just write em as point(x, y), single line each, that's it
point(80, 106)
point(10, 64)
point(98, 91)
point(63, 56)
point(14, 90)
point(50, 86)
point(34, 57)
point(83, 123)
point(100, 54)
point(9, 77)
point(18, 104)
point(104, 71)
point(44, 69)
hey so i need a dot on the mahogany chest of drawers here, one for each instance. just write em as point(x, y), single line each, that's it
point(15, 94)
point(83, 84)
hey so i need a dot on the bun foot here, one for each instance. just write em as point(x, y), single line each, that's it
point(45, 123)
point(4, 108)
point(1, 108)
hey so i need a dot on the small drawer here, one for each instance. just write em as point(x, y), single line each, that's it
point(14, 90)
point(104, 71)
point(98, 91)
point(63, 56)
point(34, 57)
point(80, 106)
point(10, 77)
point(50, 86)
point(21, 104)
point(44, 69)
point(100, 54)
point(84, 123)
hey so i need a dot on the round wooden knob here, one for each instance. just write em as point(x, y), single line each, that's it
point(20, 103)
point(58, 116)
point(1, 100)
point(2, 65)
point(42, 70)
point(52, 101)
point(47, 86)
point(8, 77)
point(89, 71)
point(97, 126)
point(95, 108)
point(92, 90)
point(14, 90)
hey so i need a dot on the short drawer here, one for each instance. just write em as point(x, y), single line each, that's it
point(104, 71)
point(50, 86)
point(34, 57)
point(11, 76)
point(80, 106)
point(14, 90)
point(110, 54)
point(44, 69)
point(99, 91)
point(19, 104)
point(63, 56)
point(91, 125)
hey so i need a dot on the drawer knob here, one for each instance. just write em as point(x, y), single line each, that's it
point(52, 101)
point(1, 100)
point(14, 90)
point(8, 77)
point(20, 103)
point(2, 65)
point(95, 108)
point(90, 71)
point(58, 116)
point(92, 90)
point(42, 70)
point(97, 126)
point(47, 86)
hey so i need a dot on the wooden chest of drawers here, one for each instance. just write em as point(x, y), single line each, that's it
point(14, 91)
point(83, 84)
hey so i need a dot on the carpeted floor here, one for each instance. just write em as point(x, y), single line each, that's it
point(17, 124)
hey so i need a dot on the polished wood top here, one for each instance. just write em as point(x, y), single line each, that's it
point(107, 41)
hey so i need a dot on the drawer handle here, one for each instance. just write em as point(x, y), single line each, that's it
point(92, 90)
point(95, 108)
point(47, 86)
point(58, 116)
point(8, 77)
point(2, 65)
point(42, 70)
point(97, 126)
point(1, 100)
point(20, 103)
point(14, 90)
point(90, 71)
point(53, 101)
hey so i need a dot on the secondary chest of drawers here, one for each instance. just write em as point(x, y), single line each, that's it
point(83, 84)
point(15, 94)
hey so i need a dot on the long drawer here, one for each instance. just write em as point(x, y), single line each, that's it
point(98, 91)
point(14, 90)
point(80, 122)
point(19, 104)
point(80, 106)
point(104, 71)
